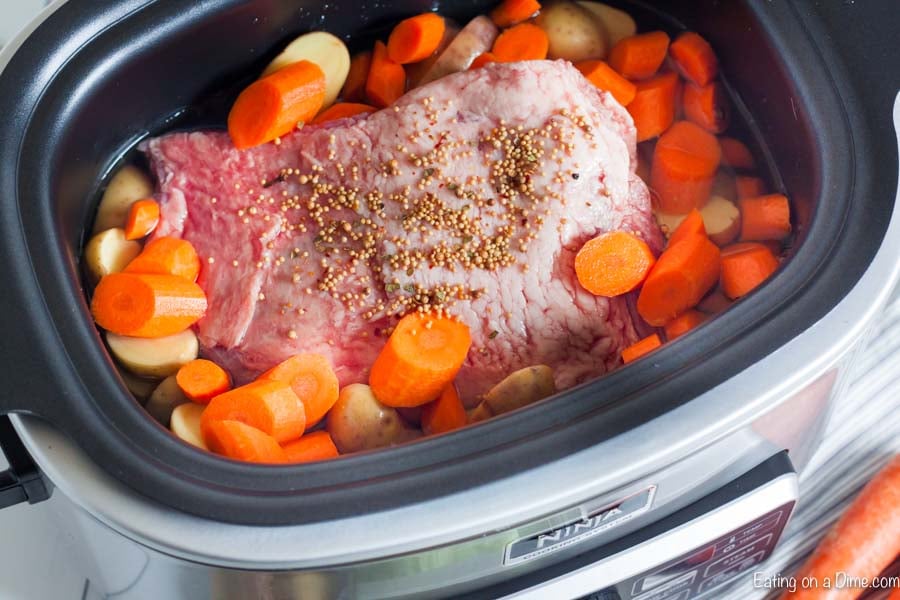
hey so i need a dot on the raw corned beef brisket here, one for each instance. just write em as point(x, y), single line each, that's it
point(471, 194)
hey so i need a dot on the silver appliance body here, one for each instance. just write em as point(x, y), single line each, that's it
point(667, 485)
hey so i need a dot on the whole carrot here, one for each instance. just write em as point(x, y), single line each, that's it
point(864, 541)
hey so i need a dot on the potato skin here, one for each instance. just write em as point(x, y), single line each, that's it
point(109, 252)
point(164, 399)
point(358, 421)
point(520, 388)
point(574, 33)
point(617, 23)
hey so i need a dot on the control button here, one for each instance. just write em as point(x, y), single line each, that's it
point(736, 557)
point(672, 589)
point(731, 573)
point(748, 533)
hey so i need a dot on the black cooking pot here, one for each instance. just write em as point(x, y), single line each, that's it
point(89, 84)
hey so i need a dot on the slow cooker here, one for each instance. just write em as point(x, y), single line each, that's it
point(666, 479)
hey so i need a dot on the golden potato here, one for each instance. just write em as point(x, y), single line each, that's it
point(109, 252)
point(185, 423)
point(574, 33)
point(126, 186)
point(323, 49)
point(358, 421)
point(164, 399)
point(520, 388)
point(154, 357)
point(618, 24)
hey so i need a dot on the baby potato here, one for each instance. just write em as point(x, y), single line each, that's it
point(164, 399)
point(126, 186)
point(520, 388)
point(185, 423)
point(109, 252)
point(323, 49)
point(722, 219)
point(617, 23)
point(154, 357)
point(140, 387)
point(360, 422)
point(574, 33)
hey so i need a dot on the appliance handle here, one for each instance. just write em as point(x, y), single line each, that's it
point(23, 480)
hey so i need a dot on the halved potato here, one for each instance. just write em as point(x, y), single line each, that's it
point(164, 399)
point(109, 252)
point(154, 357)
point(323, 49)
point(126, 186)
point(668, 223)
point(617, 23)
point(722, 219)
point(520, 388)
point(185, 423)
point(575, 34)
point(140, 387)
point(358, 421)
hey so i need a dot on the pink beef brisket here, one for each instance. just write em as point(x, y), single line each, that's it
point(472, 193)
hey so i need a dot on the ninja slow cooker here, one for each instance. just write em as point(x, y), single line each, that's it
point(665, 479)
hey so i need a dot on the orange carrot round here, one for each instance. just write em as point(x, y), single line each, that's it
point(201, 380)
point(239, 441)
point(143, 216)
point(736, 154)
point(421, 358)
point(765, 217)
point(639, 56)
point(748, 187)
point(605, 78)
point(416, 38)
point(613, 263)
point(522, 42)
point(444, 414)
point(511, 12)
point(386, 81)
point(685, 161)
point(861, 545)
point(653, 105)
point(342, 110)
point(313, 446)
point(640, 348)
point(167, 256)
point(694, 58)
point(147, 306)
point(681, 277)
point(270, 406)
point(707, 106)
point(354, 89)
point(745, 266)
point(684, 323)
point(691, 225)
point(276, 104)
point(483, 59)
point(312, 379)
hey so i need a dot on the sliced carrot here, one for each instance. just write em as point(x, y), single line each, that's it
point(354, 89)
point(639, 349)
point(683, 323)
point(707, 106)
point(714, 302)
point(860, 546)
point(276, 104)
point(511, 12)
point(691, 225)
point(736, 154)
point(143, 217)
point(342, 110)
point(167, 256)
point(765, 218)
point(748, 187)
point(416, 38)
point(313, 446)
point(239, 441)
point(147, 306)
point(605, 78)
point(613, 263)
point(386, 81)
point(420, 359)
point(639, 56)
point(895, 595)
point(444, 414)
point(694, 58)
point(685, 161)
point(653, 106)
point(201, 380)
point(270, 406)
point(312, 379)
point(522, 42)
point(483, 59)
point(745, 266)
point(681, 277)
